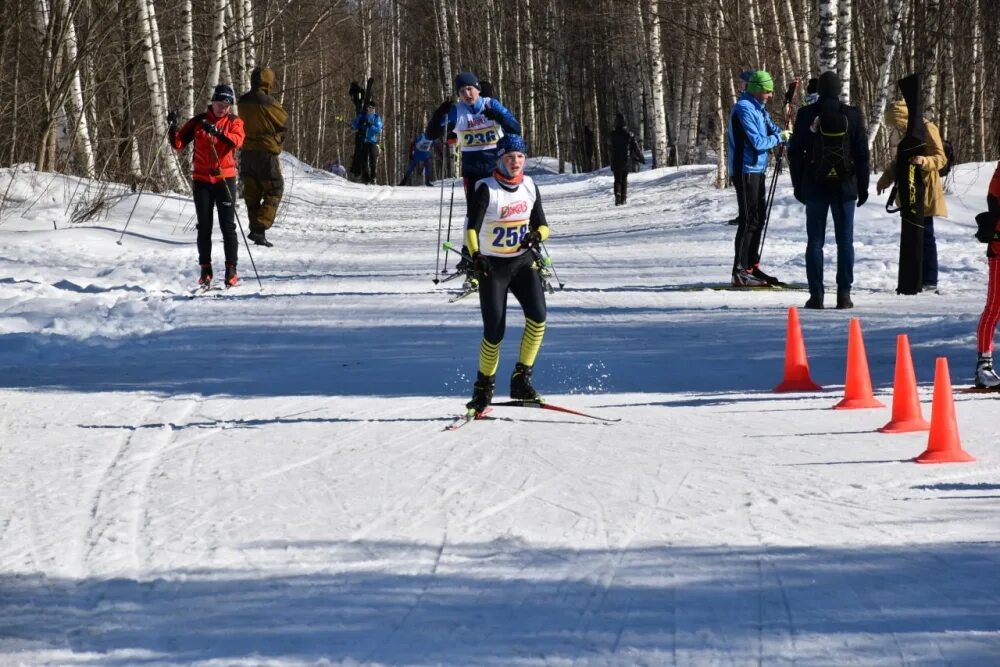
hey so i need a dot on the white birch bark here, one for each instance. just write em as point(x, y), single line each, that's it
point(187, 59)
point(77, 109)
point(802, 25)
point(529, 62)
point(883, 88)
point(656, 62)
point(42, 23)
point(933, 9)
point(826, 54)
point(218, 43)
point(248, 35)
point(161, 71)
point(844, 46)
point(444, 48)
point(697, 85)
point(720, 116)
point(752, 30)
point(977, 110)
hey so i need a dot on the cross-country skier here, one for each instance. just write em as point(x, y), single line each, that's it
point(216, 134)
point(420, 154)
point(369, 125)
point(752, 134)
point(506, 222)
point(932, 160)
point(986, 377)
point(625, 152)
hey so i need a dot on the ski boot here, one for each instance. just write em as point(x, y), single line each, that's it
point(482, 392)
point(986, 377)
point(206, 275)
point(231, 277)
point(757, 273)
point(520, 384)
point(745, 278)
point(259, 238)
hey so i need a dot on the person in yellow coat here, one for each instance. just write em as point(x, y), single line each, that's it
point(931, 162)
point(260, 167)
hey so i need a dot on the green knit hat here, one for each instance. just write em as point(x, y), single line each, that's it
point(760, 82)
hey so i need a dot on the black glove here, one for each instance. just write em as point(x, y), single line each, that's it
point(798, 196)
point(480, 264)
point(211, 129)
point(491, 113)
point(532, 238)
point(862, 197)
point(172, 119)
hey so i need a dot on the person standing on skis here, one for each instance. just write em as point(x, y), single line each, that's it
point(506, 223)
point(265, 121)
point(217, 134)
point(989, 233)
point(751, 135)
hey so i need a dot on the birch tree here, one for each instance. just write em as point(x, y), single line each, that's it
point(882, 88)
point(844, 47)
point(656, 62)
point(218, 43)
point(826, 54)
point(81, 130)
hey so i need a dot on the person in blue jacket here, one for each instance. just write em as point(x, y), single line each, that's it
point(751, 135)
point(420, 154)
point(370, 124)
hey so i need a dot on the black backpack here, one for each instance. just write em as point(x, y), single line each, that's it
point(830, 162)
point(949, 153)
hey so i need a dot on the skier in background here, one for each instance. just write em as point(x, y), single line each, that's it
point(216, 134)
point(260, 167)
point(505, 221)
point(420, 154)
point(369, 124)
point(989, 222)
point(625, 151)
point(751, 136)
point(933, 159)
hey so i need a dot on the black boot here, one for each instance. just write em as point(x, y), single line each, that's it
point(815, 302)
point(231, 277)
point(520, 384)
point(482, 392)
point(206, 275)
point(844, 299)
point(258, 237)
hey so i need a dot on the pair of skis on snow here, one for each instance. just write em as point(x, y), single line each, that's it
point(471, 415)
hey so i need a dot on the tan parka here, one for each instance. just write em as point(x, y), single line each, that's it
point(896, 116)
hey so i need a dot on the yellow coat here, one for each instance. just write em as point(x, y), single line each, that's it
point(934, 204)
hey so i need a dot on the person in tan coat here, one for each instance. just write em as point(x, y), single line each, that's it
point(260, 168)
point(933, 159)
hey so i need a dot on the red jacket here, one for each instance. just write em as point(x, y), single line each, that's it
point(206, 167)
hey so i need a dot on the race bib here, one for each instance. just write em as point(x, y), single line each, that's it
point(485, 137)
point(503, 237)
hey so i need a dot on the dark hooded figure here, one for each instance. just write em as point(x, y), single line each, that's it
point(829, 164)
point(624, 149)
point(265, 121)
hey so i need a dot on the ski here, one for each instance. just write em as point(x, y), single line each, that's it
point(468, 288)
point(469, 416)
point(557, 408)
point(729, 287)
point(978, 390)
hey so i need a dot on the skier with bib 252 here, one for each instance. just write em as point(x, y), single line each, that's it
point(829, 163)
point(505, 223)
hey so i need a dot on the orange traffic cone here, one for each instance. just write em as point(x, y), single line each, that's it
point(943, 445)
point(858, 385)
point(796, 362)
point(906, 414)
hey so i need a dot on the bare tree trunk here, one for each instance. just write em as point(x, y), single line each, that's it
point(897, 13)
point(826, 55)
point(77, 112)
point(248, 35)
point(805, 52)
point(720, 116)
point(752, 30)
point(656, 62)
point(187, 59)
point(444, 49)
point(844, 47)
point(529, 62)
point(977, 110)
point(931, 51)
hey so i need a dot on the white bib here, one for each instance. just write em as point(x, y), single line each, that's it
point(507, 218)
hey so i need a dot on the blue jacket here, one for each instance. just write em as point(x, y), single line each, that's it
point(478, 128)
point(373, 126)
point(751, 135)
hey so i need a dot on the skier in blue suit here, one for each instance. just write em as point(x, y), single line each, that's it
point(420, 154)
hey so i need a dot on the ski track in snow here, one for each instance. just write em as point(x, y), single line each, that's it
point(261, 477)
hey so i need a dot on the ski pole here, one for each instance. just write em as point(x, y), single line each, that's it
point(789, 118)
point(451, 204)
point(145, 181)
point(549, 265)
point(437, 262)
point(232, 202)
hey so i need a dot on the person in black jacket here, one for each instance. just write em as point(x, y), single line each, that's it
point(829, 163)
point(624, 149)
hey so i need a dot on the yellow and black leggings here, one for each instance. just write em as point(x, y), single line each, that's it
point(517, 276)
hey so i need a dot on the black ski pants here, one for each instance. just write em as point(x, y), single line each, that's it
point(753, 207)
point(517, 276)
point(369, 161)
point(220, 196)
point(621, 186)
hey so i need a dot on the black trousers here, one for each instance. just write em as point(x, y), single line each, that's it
point(219, 195)
point(516, 276)
point(621, 186)
point(369, 160)
point(753, 207)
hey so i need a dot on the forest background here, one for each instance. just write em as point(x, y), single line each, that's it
point(86, 84)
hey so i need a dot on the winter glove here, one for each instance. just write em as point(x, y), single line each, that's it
point(986, 224)
point(212, 129)
point(785, 135)
point(480, 264)
point(172, 119)
point(798, 196)
point(532, 238)
point(862, 197)
point(491, 113)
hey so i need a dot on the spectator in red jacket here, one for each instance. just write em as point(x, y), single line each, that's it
point(216, 134)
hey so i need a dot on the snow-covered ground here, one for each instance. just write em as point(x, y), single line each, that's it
point(263, 478)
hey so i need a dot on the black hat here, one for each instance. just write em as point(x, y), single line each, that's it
point(828, 85)
point(224, 93)
point(466, 79)
point(370, 103)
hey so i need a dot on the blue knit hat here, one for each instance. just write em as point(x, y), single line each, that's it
point(512, 143)
point(466, 79)
point(224, 93)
